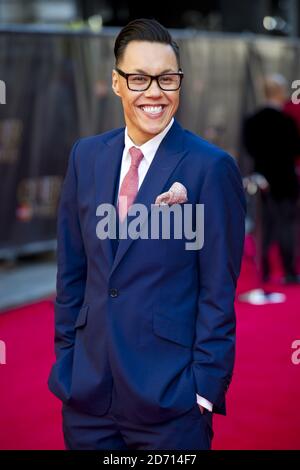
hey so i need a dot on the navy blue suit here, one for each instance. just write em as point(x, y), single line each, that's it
point(153, 323)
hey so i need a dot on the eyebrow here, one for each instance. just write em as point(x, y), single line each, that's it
point(146, 73)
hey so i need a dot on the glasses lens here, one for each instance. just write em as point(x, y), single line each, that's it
point(169, 81)
point(138, 82)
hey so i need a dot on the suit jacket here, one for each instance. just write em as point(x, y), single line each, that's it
point(154, 324)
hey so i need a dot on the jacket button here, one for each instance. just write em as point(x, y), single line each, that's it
point(113, 292)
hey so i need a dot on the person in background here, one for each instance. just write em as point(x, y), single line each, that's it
point(272, 140)
point(293, 110)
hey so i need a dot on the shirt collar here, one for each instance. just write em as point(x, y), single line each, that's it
point(150, 147)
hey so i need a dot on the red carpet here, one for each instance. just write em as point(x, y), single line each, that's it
point(263, 400)
point(30, 415)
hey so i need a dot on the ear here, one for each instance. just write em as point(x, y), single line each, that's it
point(115, 82)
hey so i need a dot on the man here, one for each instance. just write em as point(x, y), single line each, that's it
point(145, 328)
point(272, 140)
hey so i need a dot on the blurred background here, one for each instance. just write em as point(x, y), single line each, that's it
point(241, 91)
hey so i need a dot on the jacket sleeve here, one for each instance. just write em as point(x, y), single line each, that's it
point(219, 266)
point(71, 262)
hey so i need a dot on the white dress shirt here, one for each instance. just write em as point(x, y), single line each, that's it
point(149, 150)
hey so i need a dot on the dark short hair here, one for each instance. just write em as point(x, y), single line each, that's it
point(143, 29)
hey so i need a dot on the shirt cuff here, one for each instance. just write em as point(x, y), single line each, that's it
point(205, 403)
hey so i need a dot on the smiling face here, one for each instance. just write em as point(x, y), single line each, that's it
point(146, 113)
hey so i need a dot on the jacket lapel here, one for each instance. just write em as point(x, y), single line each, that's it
point(107, 165)
point(167, 157)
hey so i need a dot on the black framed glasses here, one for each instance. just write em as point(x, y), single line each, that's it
point(141, 82)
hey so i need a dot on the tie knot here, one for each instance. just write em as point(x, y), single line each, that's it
point(136, 156)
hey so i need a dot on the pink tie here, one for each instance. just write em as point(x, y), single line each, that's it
point(130, 184)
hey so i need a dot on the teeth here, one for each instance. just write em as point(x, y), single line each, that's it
point(152, 109)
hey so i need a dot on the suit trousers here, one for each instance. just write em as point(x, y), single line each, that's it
point(189, 431)
point(279, 224)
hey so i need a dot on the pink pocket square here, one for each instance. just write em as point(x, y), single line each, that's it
point(177, 194)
